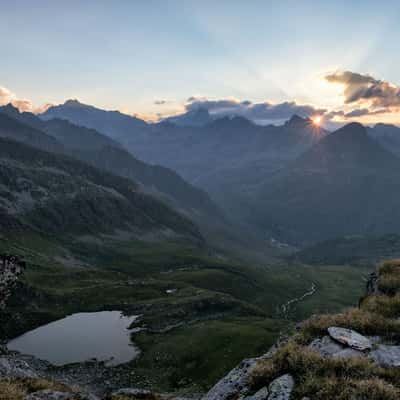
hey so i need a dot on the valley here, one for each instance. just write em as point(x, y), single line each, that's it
point(217, 314)
point(103, 231)
point(199, 200)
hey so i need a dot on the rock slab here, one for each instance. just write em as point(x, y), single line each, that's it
point(281, 388)
point(262, 394)
point(386, 356)
point(326, 346)
point(350, 338)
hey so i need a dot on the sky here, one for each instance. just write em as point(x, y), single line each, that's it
point(262, 59)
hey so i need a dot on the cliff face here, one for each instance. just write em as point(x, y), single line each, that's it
point(11, 267)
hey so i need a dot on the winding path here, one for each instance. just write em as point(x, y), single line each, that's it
point(286, 307)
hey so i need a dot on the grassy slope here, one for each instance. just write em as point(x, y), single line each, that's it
point(223, 312)
point(350, 378)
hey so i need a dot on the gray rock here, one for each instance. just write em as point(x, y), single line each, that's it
point(15, 368)
point(348, 353)
point(262, 394)
point(133, 392)
point(281, 388)
point(386, 356)
point(326, 346)
point(374, 339)
point(235, 384)
point(52, 395)
point(350, 338)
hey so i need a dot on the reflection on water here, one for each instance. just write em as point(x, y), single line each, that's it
point(81, 337)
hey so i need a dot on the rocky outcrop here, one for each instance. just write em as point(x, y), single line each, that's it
point(237, 383)
point(386, 356)
point(281, 388)
point(350, 338)
point(11, 267)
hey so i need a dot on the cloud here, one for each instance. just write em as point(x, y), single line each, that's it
point(360, 112)
point(365, 89)
point(23, 105)
point(257, 112)
point(5, 95)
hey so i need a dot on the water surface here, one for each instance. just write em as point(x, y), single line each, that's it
point(81, 337)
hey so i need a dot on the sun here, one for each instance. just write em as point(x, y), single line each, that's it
point(317, 120)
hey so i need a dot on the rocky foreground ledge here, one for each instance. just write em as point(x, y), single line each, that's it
point(352, 355)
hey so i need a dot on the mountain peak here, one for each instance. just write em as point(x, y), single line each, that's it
point(9, 109)
point(296, 120)
point(73, 103)
point(353, 130)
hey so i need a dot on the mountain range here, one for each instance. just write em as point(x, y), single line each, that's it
point(101, 151)
point(344, 185)
point(296, 182)
point(47, 193)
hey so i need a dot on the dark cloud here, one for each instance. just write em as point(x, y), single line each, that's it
point(160, 102)
point(360, 88)
point(258, 112)
point(357, 113)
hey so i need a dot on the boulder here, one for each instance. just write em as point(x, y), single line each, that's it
point(350, 338)
point(386, 356)
point(348, 353)
point(326, 346)
point(235, 384)
point(281, 388)
point(262, 394)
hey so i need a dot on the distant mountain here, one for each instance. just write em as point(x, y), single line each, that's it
point(103, 152)
point(54, 194)
point(387, 135)
point(356, 249)
point(228, 156)
point(13, 129)
point(75, 137)
point(346, 184)
point(111, 123)
point(198, 117)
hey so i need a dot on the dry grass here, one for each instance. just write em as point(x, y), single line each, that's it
point(385, 306)
point(363, 321)
point(343, 379)
point(328, 378)
point(17, 389)
point(389, 277)
point(345, 389)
